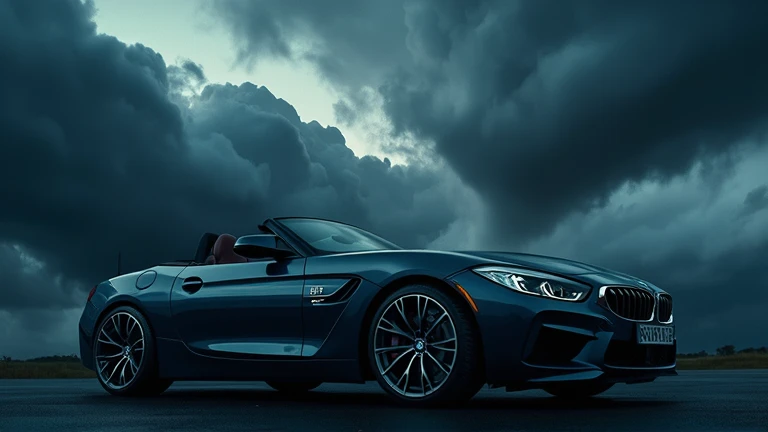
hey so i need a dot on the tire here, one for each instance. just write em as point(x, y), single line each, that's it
point(434, 318)
point(577, 390)
point(293, 387)
point(121, 371)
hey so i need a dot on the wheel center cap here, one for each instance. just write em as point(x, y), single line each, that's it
point(126, 350)
point(420, 345)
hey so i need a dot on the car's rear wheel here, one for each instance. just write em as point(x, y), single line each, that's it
point(423, 347)
point(293, 387)
point(124, 355)
point(577, 390)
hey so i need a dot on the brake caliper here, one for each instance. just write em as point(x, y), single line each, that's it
point(395, 341)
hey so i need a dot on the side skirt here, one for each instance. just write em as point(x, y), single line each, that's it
point(177, 362)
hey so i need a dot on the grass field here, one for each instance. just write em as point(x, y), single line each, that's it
point(735, 361)
point(73, 369)
point(46, 369)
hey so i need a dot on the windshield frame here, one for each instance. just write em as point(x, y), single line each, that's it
point(311, 250)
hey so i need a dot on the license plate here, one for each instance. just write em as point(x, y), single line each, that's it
point(656, 335)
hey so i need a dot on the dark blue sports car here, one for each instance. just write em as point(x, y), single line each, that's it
point(307, 301)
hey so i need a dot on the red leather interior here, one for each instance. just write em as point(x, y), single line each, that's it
point(224, 252)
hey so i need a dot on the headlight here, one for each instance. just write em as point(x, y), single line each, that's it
point(535, 283)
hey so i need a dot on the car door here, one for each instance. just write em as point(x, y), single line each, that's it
point(240, 310)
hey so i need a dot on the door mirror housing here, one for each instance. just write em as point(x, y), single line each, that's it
point(262, 246)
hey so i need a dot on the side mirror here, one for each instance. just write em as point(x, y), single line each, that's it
point(261, 246)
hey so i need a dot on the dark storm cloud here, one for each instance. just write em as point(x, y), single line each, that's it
point(91, 145)
point(756, 200)
point(305, 168)
point(194, 69)
point(545, 107)
point(561, 104)
point(347, 39)
point(186, 77)
point(104, 151)
point(30, 285)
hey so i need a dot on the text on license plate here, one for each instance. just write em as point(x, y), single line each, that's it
point(652, 334)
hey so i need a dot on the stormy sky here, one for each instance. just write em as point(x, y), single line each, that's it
point(630, 135)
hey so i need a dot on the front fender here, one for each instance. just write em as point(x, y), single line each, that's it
point(383, 267)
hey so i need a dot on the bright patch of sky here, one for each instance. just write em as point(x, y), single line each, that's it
point(181, 29)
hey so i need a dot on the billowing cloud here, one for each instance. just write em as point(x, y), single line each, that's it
point(548, 110)
point(349, 40)
point(545, 108)
point(106, 149)
point(756, 200)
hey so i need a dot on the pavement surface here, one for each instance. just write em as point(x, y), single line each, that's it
point(694, 401)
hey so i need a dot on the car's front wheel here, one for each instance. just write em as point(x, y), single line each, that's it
point(577, 390)
point(423, 347)
point(124, 355)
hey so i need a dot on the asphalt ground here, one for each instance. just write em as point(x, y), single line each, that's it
point(693, 401)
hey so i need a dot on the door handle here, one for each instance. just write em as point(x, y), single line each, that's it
point(192, 284)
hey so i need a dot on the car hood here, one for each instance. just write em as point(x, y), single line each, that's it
point(561, 266)
point(538, 262)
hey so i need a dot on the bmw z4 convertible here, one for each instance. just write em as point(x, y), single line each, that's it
point(309, 301)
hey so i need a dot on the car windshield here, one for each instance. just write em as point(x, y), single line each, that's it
point(333, 237)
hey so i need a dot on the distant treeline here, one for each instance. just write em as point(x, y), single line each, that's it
point(726, 350)
point(72, 358)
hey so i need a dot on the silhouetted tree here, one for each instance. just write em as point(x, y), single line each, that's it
point(726, 350)
point(56, 359)
point(694, 355)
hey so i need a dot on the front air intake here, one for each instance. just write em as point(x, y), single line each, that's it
point(631, 303)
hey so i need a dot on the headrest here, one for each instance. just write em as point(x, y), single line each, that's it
point(224, 250)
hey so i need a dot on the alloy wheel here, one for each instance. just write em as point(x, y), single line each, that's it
point(415, 345)
point(119, 350)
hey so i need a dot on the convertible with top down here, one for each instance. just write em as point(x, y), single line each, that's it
point(307, 301)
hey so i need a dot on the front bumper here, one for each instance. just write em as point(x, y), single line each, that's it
point(529, 341)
